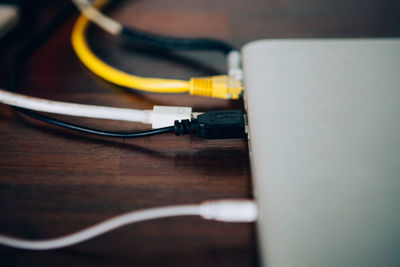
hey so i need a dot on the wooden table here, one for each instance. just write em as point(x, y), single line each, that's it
point(54, 181)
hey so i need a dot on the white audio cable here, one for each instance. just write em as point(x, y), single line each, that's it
point(236, 210)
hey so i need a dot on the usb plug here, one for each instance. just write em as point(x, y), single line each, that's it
point(222, 124)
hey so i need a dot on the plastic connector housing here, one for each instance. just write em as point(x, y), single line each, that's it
point(229, 210)
point(222, 86)
point(224, 124)
point(164, 116)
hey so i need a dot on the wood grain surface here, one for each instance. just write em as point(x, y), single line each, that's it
point(54, 181)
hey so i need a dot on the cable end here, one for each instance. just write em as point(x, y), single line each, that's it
point(164, 116)
point(235, 210)
point(222, 86)
point(224, 124)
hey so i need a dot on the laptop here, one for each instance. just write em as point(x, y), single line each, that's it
point(324, 141)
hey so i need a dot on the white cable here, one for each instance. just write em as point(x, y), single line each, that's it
point(101, 228)
point(72, 109)
point(94, 15)
point(160, 116)
point(220, 210)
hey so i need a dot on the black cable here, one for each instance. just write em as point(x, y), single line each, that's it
point(88, 130)
point(22, 56)
point(175, 43)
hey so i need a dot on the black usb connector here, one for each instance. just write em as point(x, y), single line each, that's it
point(222, 124)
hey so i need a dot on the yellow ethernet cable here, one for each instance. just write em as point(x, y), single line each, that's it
point(109, 73)
point(222, 86)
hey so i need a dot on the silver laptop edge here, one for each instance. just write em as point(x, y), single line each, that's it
point(324, 137)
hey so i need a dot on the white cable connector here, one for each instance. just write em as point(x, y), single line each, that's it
point(164, 116)
point(234, 62)
point(220, 210)
point(160, 116)
point(94, 15)
point(238, 210)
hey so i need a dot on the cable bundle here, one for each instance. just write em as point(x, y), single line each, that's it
point(206, 125)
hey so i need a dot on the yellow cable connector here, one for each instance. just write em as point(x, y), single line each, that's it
point(221, 86)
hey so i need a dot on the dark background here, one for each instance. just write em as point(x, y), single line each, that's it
point(54, 181)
